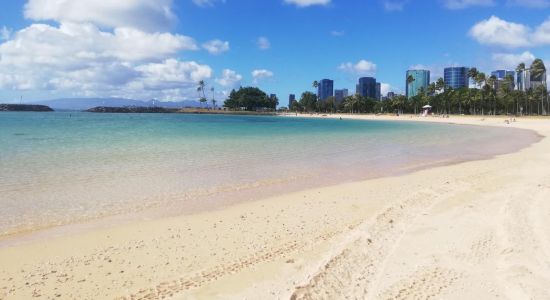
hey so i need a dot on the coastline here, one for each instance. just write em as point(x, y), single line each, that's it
point(387, 235)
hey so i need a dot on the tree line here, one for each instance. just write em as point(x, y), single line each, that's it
point(251, 99)
point(488, 96)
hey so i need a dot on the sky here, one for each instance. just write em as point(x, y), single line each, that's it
point(160, 49)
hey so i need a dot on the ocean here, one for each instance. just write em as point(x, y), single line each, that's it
point(66, 168)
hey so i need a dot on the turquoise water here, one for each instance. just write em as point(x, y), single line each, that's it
point(61, 168)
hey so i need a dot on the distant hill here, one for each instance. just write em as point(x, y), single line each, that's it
point(87, 103)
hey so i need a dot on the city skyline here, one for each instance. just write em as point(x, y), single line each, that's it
point(144, 50)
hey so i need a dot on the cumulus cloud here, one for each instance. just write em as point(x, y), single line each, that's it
point(103, 49)
point(83, 60)
point(510, 61)
point(306, 3)
point(229, 79)
point(362, 67)
point(497, 32)
point(263, 43)
point(385, 88)
point(142, 14)
point(261, 74)
point(541, 35)
point(216, 46)
point(461, 4)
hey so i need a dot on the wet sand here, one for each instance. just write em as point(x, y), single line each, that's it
point(476, 229)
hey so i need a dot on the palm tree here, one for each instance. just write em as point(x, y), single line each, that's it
point(491, 82)
point(537, 74)
point(315, 84)
point(410, 79)
point(200, 89)
point(472, 74)
point(480, 79)
point(202, 84)
point(213, 98)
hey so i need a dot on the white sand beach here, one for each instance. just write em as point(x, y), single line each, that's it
point(474, 230)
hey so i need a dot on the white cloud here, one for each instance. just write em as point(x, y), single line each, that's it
point(337, 32)
point(306, 3)
point(495, 31)
point(394, 5)
point(216, 46)
point(510, 61)
point(261, 74)
point(385, 88)
point(83, 60)
point(206, 3)
point(541, 35)
point(5, 33)
point(102, 48)
point(230, 79)
point(530, 3)
point(263, 43)
point(461, 4)
point(142, 14)
point(362, 67)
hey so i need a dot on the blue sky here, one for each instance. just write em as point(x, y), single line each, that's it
point(148, 49)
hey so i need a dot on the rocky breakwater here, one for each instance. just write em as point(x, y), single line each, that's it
point(130, 109)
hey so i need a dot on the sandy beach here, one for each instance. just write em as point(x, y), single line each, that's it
point(474, 230)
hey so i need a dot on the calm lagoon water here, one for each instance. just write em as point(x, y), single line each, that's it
point(61, 168)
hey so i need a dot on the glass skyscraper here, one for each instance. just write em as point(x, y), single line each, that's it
point(421, 80)
point(456, 77)
point(339, 95)
point(291, 99)
point(367, 87)
point(501, 75)
point(325, 89)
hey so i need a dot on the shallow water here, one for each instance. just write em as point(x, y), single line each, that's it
point(62, 168)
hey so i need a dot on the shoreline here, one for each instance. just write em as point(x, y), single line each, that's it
point(299, 243)
point(24, 235)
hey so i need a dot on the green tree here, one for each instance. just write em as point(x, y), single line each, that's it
point(538, 69)
point(213, 97)
point(480, 80)
point(250, 99)
point(410, 80)
point(308, 101)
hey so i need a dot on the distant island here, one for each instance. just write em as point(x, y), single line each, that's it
point(24, 107)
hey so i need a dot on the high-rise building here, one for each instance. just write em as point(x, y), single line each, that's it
point(390, 95)
point(378, 91)
point(291, 99)
point(501, 75)
point(326, 89)
point(339, 95)
point(367, 87)
point(421, 79)
point(456, 77)
point(526, 80)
